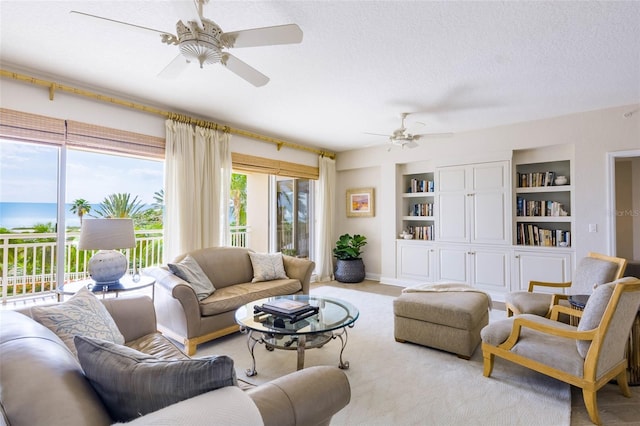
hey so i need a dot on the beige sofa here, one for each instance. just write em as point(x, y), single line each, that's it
point(42, 383)
point(186, 319)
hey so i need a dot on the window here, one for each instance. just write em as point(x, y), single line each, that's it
point(53, 174)
point(293, 216)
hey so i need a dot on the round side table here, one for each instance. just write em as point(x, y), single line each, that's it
point(578, 301)
point(126, 284)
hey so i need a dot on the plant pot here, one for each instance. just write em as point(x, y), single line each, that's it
point(349, 271)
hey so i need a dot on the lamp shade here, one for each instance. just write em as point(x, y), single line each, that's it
point(107, 266)
point(106, 234)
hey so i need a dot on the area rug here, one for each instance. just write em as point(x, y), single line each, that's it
point(405, 384)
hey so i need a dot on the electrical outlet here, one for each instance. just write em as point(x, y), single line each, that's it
point(593, 227)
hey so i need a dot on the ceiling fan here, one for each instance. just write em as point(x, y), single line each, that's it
point(203, 41)
point(403, 138)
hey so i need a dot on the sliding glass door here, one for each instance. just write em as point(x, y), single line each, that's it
point(292, 230)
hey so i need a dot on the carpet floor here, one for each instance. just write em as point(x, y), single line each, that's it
point(405, 384)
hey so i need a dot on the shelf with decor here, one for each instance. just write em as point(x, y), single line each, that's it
point(417, 204)
point(542, 204)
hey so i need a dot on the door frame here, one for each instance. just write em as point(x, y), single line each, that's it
point(611, 202)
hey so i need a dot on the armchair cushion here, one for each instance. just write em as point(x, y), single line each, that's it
point(267, 267)
point(592, 315)
point(131, 383)
point(531, 303)
point(190, 271)
point(536, 345)
point(591, 271)
point(82, 315)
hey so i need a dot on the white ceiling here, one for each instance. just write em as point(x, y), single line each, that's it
point(461, 65)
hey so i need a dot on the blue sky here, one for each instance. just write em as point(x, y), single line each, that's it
point(28, 174)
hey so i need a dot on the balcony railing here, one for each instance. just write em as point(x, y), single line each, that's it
point(29, 261)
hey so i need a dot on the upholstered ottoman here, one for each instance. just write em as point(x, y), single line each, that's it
point(446, 320)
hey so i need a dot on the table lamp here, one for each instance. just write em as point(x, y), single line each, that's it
point(108, 265)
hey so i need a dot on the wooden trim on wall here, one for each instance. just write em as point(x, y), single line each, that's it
point(250, 163)
point(90, 136)
point(23, 126)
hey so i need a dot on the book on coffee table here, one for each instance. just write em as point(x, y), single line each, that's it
point(287, 306)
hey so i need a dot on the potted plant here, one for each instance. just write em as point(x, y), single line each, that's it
point(349, 266)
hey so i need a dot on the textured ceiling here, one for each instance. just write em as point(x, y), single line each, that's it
point(460, 65)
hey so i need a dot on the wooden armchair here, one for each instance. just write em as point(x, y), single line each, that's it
point(592, 270)
point(587, 356)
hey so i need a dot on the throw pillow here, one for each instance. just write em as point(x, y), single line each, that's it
point(132, 384)
point(189, 270)
point(82, 315)
point(592, 315)
point(267, 266)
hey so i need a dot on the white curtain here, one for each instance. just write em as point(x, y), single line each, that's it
point(197, 178)
point(325, 207)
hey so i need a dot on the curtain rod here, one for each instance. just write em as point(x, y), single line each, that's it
point(53, 86)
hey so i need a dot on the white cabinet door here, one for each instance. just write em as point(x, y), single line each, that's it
point(541, 266)
point(490, 269)
point(473, 203)
point(486, 268)
point(415, 261)
point(453, 265)
point(452, 204)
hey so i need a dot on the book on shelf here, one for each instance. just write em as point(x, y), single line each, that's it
point(286, 306)
point(421, 209)
point(531, 235)
point(539, 208)
point(420, 185)
point(422, 232)
point(535, 179)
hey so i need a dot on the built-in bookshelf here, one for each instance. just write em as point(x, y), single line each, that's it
point(542, 208)
point(418, 205)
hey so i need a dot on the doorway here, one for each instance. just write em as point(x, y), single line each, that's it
point(624, 205)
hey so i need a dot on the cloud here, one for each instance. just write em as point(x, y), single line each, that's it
point(29, 173)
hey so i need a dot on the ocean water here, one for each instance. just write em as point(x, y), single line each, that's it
point(25, 215)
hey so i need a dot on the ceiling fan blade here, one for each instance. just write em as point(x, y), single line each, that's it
point(243, 70)
point(113, 21)
point(434, 135)
point(375, 134)
point(267, 36)
point(174, 68)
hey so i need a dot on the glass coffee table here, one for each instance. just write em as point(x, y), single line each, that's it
point(331, 320)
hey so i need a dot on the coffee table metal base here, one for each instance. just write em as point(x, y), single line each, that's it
point(297, 342)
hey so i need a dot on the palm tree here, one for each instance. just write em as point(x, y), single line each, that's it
point(120, 205)
point(80, 207)
point(238, 194)
point(158, 198)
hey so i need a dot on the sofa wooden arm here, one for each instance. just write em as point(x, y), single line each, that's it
point(556, 310)
point(519, 323)
point(299, 269)
point(532, 284)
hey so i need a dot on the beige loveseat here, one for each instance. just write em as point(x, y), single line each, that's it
point(42, 382)
point(186, 319)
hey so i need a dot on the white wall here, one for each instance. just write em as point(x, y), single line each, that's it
point(362, 178)
point(257, 211)
point(635, 212)
point(591, 134)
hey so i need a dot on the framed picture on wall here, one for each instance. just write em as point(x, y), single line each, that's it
point(360, 202)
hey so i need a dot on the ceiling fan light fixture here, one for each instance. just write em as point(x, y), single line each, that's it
point(200, 44)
